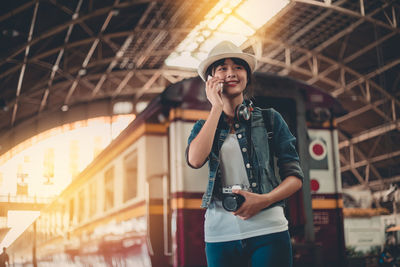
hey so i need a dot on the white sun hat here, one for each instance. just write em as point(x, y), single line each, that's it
point(225, 49)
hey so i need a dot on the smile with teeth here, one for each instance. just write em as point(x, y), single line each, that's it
point(232, 83)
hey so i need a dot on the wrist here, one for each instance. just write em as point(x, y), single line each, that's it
point(216, 109)
point(266, 200)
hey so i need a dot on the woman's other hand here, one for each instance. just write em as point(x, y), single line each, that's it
point(252, 205)
point(256, 202)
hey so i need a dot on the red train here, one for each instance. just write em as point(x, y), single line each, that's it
point(138, 203)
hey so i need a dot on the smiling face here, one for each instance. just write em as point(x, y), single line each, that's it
point(234, 73)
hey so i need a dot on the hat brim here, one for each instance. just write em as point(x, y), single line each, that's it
point(250, 59)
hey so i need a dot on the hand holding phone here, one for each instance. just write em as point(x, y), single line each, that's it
point(213, 88)
point(220, 85)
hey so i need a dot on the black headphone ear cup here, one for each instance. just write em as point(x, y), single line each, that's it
point(242, 112)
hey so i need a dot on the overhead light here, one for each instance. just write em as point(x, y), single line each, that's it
point(234, 25)
point(141, 105)
point(11, 33)
point(123, 107)
point(256, 15)
point(3, 104)
point(226, 10)
point(115, 12)
point(230, 20)
point(161, 118)
point(64, 108)
point(82, 72)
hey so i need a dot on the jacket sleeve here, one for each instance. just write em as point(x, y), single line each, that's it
point(195, 131)
point(285, 149)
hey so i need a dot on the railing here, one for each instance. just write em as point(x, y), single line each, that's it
point(25, 199)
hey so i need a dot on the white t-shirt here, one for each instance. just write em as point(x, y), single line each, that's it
point(221, 225)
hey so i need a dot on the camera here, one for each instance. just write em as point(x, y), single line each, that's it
point(231, 201)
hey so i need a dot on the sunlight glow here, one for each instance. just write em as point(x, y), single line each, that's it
point(18, 221)
point(46, 163)
point(234, 20)
point(41, 167)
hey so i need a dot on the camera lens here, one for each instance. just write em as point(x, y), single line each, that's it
point(232, 202)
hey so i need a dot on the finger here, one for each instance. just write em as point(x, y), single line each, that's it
point(212, 83)
point(239, 192)
point(216, 79)
point(242, 214)
point(240, 211)
point(216, 86)
point(221, 87)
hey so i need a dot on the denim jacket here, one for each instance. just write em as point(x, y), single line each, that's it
point(262, 178)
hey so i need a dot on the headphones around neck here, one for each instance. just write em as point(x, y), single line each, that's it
point(243, 111)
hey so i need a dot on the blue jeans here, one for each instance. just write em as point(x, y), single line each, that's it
point(272, 250)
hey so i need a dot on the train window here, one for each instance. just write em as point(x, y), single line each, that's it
point(58, 219)
point(52, 223)
point(71, 211)
point(63, 223)
point(81, 203)
point(130, 176)
point(74, 158)
point(92, 198)
point(109, 189)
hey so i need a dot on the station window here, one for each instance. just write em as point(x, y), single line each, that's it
point(130, 176)
point(109, 189)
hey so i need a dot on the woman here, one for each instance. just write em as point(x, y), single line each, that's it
point(234, 140)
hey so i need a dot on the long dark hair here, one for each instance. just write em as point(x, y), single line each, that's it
point(248, 91)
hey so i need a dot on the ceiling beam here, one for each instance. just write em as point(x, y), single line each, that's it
point(370, 160)
point(341, 34)
point(352, 151)
point(361, 110)
point(350, 58)
point(147, 85)
point(17, 10)
point(366, 77)
point(351, 13)
point(56, 65)
point(303, 31)
point(140, 58)
point(22, 73)
point(121, 53)
point(371, 133)
point(59, 28)
point(89, 55)
point(315, 76)
point(355, 172)
point(313, 72)
point(79, 43)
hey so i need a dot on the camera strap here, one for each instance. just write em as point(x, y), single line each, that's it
point(268, 117)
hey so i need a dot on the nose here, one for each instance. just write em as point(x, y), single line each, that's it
point(230, 73)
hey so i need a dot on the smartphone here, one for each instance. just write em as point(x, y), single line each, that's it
point(221, 85)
